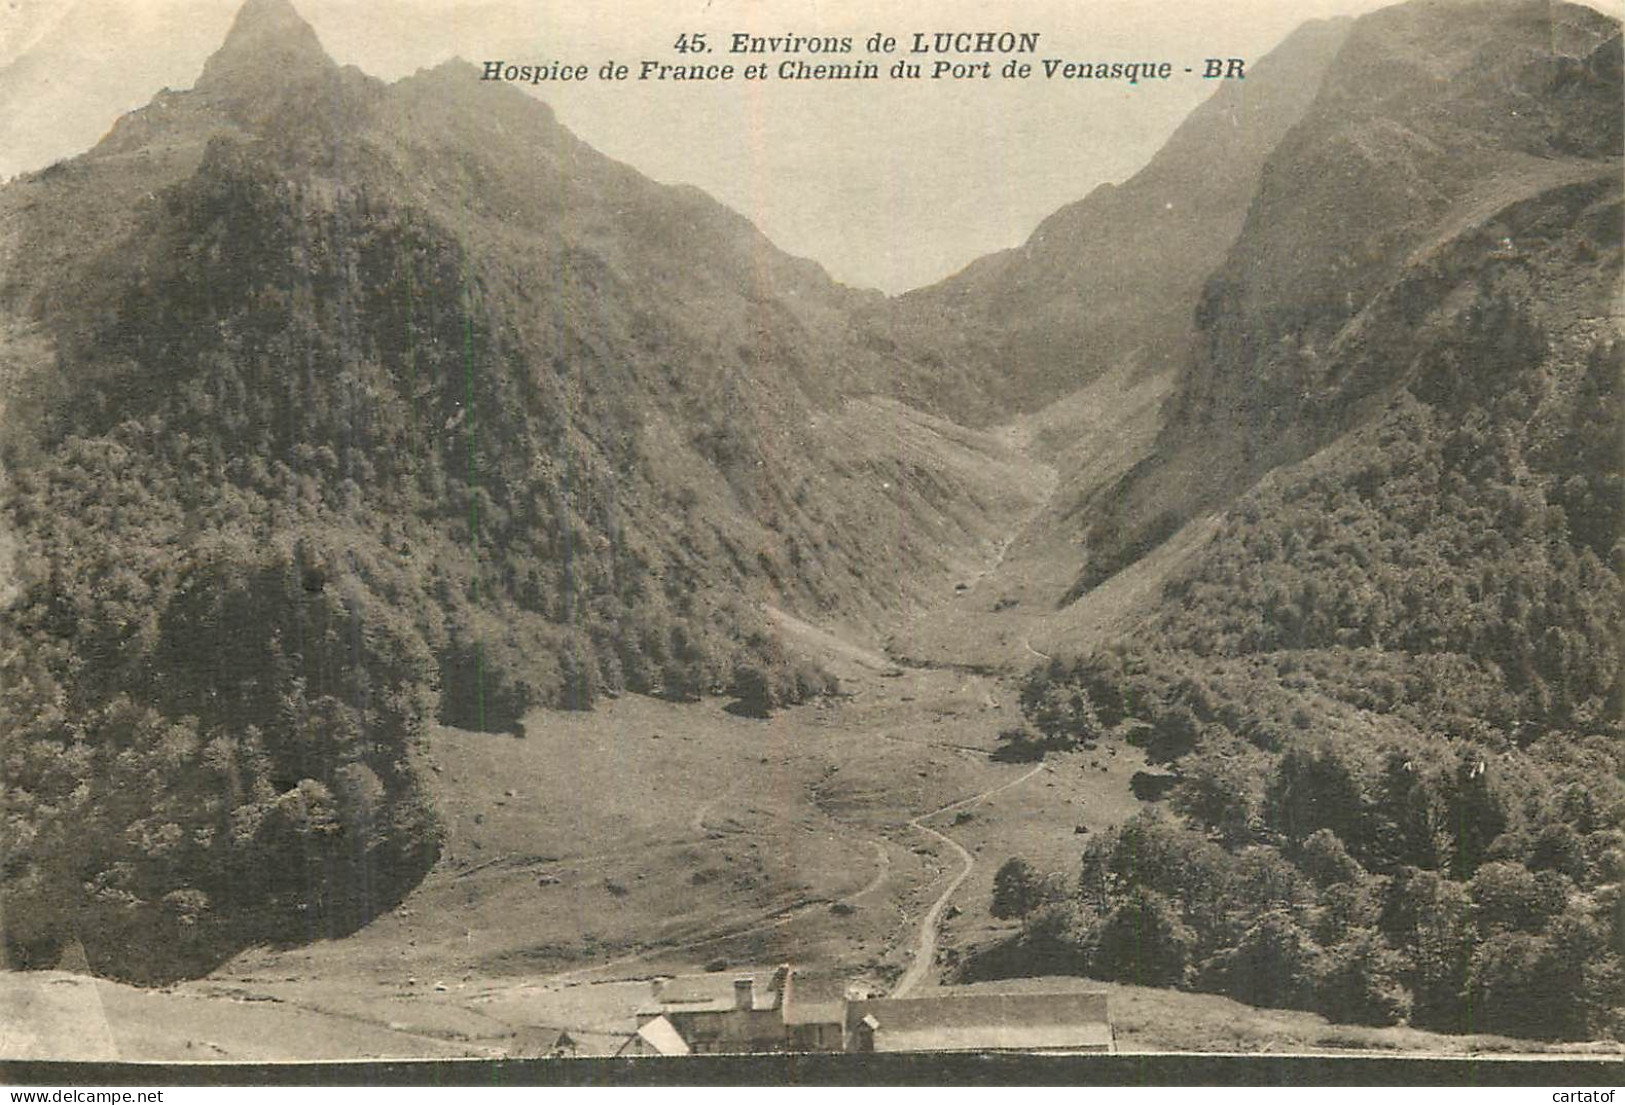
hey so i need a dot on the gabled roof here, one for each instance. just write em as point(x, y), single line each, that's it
point(541, 1040)
point(663, 1038)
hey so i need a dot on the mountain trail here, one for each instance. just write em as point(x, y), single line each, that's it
point(925, 952)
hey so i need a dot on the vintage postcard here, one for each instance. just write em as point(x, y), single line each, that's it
point(803, 535)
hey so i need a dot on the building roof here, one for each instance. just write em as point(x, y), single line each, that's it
point(541, 1040)
point(982, 1022)
point(982, 1037)
point(815, 1001)
point(708, 993)
point(663, 1037)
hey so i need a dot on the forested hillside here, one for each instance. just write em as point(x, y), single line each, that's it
point(1390, 695)
point(336, 409)
point(1388, 688)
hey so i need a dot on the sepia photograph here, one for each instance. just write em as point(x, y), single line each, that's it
point(824, 541)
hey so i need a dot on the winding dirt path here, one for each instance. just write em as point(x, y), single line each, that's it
point(758, 923)
point(925, 953)
point(1026, 643)
point(882, 873)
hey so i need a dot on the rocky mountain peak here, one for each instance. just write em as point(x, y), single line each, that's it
point(269, 44)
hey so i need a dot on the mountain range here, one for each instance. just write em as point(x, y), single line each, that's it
point(334, 410)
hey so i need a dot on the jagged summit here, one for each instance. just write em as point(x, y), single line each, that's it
point(268, 42)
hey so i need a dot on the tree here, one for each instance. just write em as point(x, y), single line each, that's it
point(1345, 907)
point(753, 690)
point(1017, 889)
point(1277, 964)
point(1176, 731)
point(1218, 788)
point(1411, 816)
point(1429, 917)
point(1144, 941)
point(1477, 811)
point(1512, 989)
point(1063, 712)
point(1509, 897)
point(1359, 981)
point(1316, 788)
point(1324, 859)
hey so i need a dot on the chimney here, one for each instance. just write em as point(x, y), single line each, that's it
point(780, 986)
point(744, 993)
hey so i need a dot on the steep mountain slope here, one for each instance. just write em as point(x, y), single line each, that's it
point(1115, 276)
point(333, 408)
point(1365, 234)
point(1380, 652)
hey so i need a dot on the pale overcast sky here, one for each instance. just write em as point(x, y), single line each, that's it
point(887, 184)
